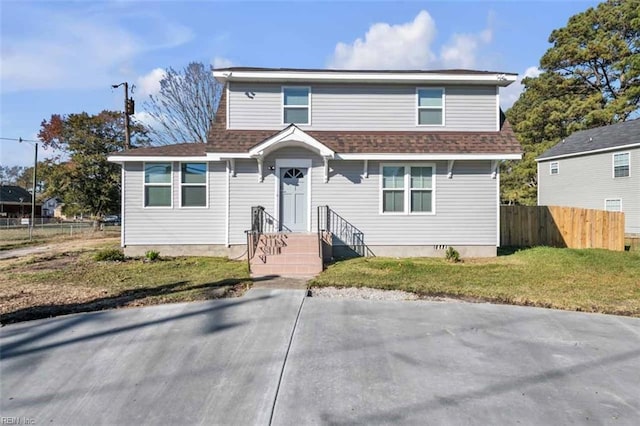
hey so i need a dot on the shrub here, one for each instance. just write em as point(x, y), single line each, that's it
point(113, 255)
point(452, 255)
point(152, 255)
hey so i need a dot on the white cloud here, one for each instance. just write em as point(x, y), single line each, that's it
point(408, 46)
point(511, 93)
point(149, 84)
point(220, 62)
point(81, 49)
point(389, 46)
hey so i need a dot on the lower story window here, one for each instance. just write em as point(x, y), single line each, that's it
point(407, 188)
point(157, 185)
point(613, 205)
point(193, 178)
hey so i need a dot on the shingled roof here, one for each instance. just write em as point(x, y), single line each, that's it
point(597, 139)
point(175, 150)
point(13, 194)
point(359, 142)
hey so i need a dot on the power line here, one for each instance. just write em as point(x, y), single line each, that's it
point(18, 140)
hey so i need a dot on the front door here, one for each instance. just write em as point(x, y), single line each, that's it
point(293, 199)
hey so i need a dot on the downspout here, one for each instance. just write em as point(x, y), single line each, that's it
point(227, 198)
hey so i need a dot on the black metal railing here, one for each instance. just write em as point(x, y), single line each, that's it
point(261, 223)
point(342, 230)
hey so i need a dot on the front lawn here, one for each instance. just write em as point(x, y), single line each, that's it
point(583, 280)
point(72, 281)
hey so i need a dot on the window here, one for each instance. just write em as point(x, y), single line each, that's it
point(157, 185)
point(407, 189)
point(621, 165)
point(554, 168)
point(193, 184)
point(613, 205)
point(430, 107)
point(295, 105)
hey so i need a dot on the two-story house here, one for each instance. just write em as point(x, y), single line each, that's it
point(595, 169)
point(394, 163)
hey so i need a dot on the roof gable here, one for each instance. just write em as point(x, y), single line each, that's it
point(598, 139)
point(13, 194)
point(291, 136)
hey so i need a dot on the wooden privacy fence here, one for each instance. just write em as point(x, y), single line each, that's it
point(525, 226)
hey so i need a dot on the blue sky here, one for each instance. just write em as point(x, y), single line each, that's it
point(62, 57)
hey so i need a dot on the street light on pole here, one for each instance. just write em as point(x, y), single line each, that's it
point(129, 109)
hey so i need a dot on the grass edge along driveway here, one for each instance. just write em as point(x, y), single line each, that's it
point(580, 280)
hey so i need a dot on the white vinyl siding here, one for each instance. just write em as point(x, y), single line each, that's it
point(587, 180)
point(371, 107)
point(430, 104)
point(173, 225)
point(193, 184)
point(157, 184)
point(621, 164)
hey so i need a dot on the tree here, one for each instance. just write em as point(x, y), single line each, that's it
point(590, 78)
point(87, 180)
point(186, 106)
point(9, 175)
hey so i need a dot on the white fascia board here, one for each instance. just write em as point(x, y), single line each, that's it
point(594, 151)
point(501, 80)
point(291, 134)
point(221, 156)
point(152, 158)
point(413, 156)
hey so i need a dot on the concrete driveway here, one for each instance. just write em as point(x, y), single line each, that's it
point(355, 362)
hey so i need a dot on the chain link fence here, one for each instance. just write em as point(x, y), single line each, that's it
point(15, 230)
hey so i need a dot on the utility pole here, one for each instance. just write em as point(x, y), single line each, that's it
point(33, 189)
point(129, 109)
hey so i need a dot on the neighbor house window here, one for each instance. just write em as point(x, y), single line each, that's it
point(430, 107)
point(157, 184)
point(193, 184)
point(554, 168)
point(621, 165)
point(296, 105)
point(613, 205)
point(407, 188)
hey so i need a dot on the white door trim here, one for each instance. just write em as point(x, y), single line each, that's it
point(293, 162)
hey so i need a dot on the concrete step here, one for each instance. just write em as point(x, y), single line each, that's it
point(285, 270)
point(288, 259)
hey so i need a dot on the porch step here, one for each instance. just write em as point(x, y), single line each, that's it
point(287, 254)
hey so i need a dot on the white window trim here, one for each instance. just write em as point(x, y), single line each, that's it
point(613, 199)
point(283, 106)
point(418, 107)
point(145, 184)
point(557, 168)
point(613, 164)
point(206, 185)
point(407, 189)
point(285, 163)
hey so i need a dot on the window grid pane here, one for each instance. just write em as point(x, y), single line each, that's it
point(296, 115)
point(393, 177)
point(430, 98)
point(421, 177)
point(393, 201)
point(194, 172)
point(157, 196)
point(296, 96)
point(421, 201)
point(613, 205)
point(194, 196)
point(157, 173)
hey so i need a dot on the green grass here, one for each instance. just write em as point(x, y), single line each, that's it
point(38, 287)
point(582, 280)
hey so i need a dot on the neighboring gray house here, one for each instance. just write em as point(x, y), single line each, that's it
point(396, 163)
point(595, 169)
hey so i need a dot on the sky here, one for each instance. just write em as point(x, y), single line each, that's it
point(60, 57)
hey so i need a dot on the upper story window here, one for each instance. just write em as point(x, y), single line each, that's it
point(554, 168)
point(621, 164)
point(407, 188)
point(157, 184)
point(430, 107)
point(296, 105)
point(193, 184)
